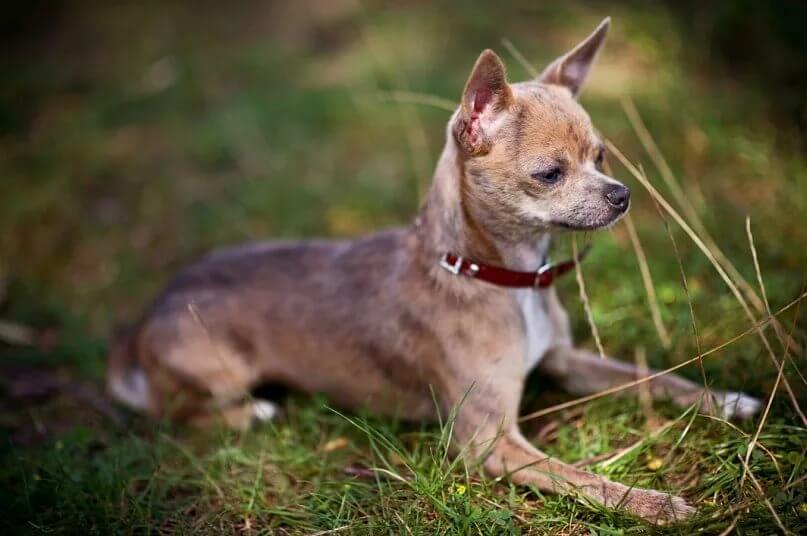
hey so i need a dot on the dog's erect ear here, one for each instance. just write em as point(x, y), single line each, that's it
point(486, 95)
point(571, 69)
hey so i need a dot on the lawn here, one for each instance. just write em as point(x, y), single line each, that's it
point(135, 138)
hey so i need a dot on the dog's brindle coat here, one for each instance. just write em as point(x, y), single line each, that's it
point(378, 323)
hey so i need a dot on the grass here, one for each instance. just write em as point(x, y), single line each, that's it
point(125, 154)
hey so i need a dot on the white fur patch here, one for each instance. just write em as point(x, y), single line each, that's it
point(264, 410)
point(533, 209)
point(132, 388)
point(738, 405)
point(536, 323)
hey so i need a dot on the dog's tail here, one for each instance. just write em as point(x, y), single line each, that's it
point(126, 380)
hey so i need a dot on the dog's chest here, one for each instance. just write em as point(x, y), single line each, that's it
point(537, 327)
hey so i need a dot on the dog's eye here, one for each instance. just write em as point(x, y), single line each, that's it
point(598, 161)
point(550, 176)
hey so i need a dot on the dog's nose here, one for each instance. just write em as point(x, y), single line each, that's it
point(618, 196)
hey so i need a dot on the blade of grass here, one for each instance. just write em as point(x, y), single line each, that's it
point(331, 531)
point(789, 341)
point(756, 264)
point(746, 435)
point(645, 397)
point(685, 284)
point(413, 97)
point(647, 281)
point(511, 48)
point(730, 528)
point(664, 169)
point(655, 154)
point(647, 438)
point(254, 491)
point(584, 298)
point(764, 417)
point(415, 132)
point(195, 463)
point(764, 497)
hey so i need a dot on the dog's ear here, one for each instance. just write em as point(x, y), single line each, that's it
point(486, 95)
point(571, 69)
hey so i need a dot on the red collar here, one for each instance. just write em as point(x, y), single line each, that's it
point(541, 278)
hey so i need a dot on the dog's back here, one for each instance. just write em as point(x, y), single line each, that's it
point(315, 315)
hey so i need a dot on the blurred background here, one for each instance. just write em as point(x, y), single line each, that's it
point(135, 136)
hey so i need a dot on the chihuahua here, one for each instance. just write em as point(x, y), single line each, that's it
point(445, 316)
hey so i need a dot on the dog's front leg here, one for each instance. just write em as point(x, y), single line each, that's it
point(485, 431)
point(581, 372)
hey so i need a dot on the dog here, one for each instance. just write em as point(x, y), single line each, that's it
point(448, 314)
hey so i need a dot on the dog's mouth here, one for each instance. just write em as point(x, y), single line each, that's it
point(595, 224)
point(579, 227)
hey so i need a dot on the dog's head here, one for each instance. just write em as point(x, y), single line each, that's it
point(533, 160)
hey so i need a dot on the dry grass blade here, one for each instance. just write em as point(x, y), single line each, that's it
point(331, 531)
point(710, 256)
point(756, 264)
point(413, 128)
point(797, 482)
point(668, 176)
point(584, 297)
point(647, 281)
point(789, 341)
point(628, 385)
point(685, 284)
point(730, 528)
point(764, 497)
point(511, 48)
point(762, 421)
point(645, 397)
point(500, 507)
point(764, 418)
point(743, 434)
point(413, 97)
point(680, 221)
point(389, 474)
point(627, 450)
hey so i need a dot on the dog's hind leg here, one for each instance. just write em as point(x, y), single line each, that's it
point(199, 378)
point(581, 372)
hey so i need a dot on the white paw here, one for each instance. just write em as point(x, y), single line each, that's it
point(264, 410)
point(738, 405)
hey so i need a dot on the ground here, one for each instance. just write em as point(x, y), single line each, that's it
point(133, 139)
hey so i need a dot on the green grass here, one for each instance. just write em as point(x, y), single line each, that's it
point(139, 138)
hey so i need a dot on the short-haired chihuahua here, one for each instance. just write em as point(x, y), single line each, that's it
point(447, 314)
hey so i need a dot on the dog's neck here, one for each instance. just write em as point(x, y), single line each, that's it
point(446, 222)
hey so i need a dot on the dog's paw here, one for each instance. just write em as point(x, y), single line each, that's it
point(654, 506)
point(733, 405)
point(264, 410)
point(657, 507)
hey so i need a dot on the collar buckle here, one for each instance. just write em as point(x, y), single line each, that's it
point(544, 272)
point(453, 268)
point(545, 267)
